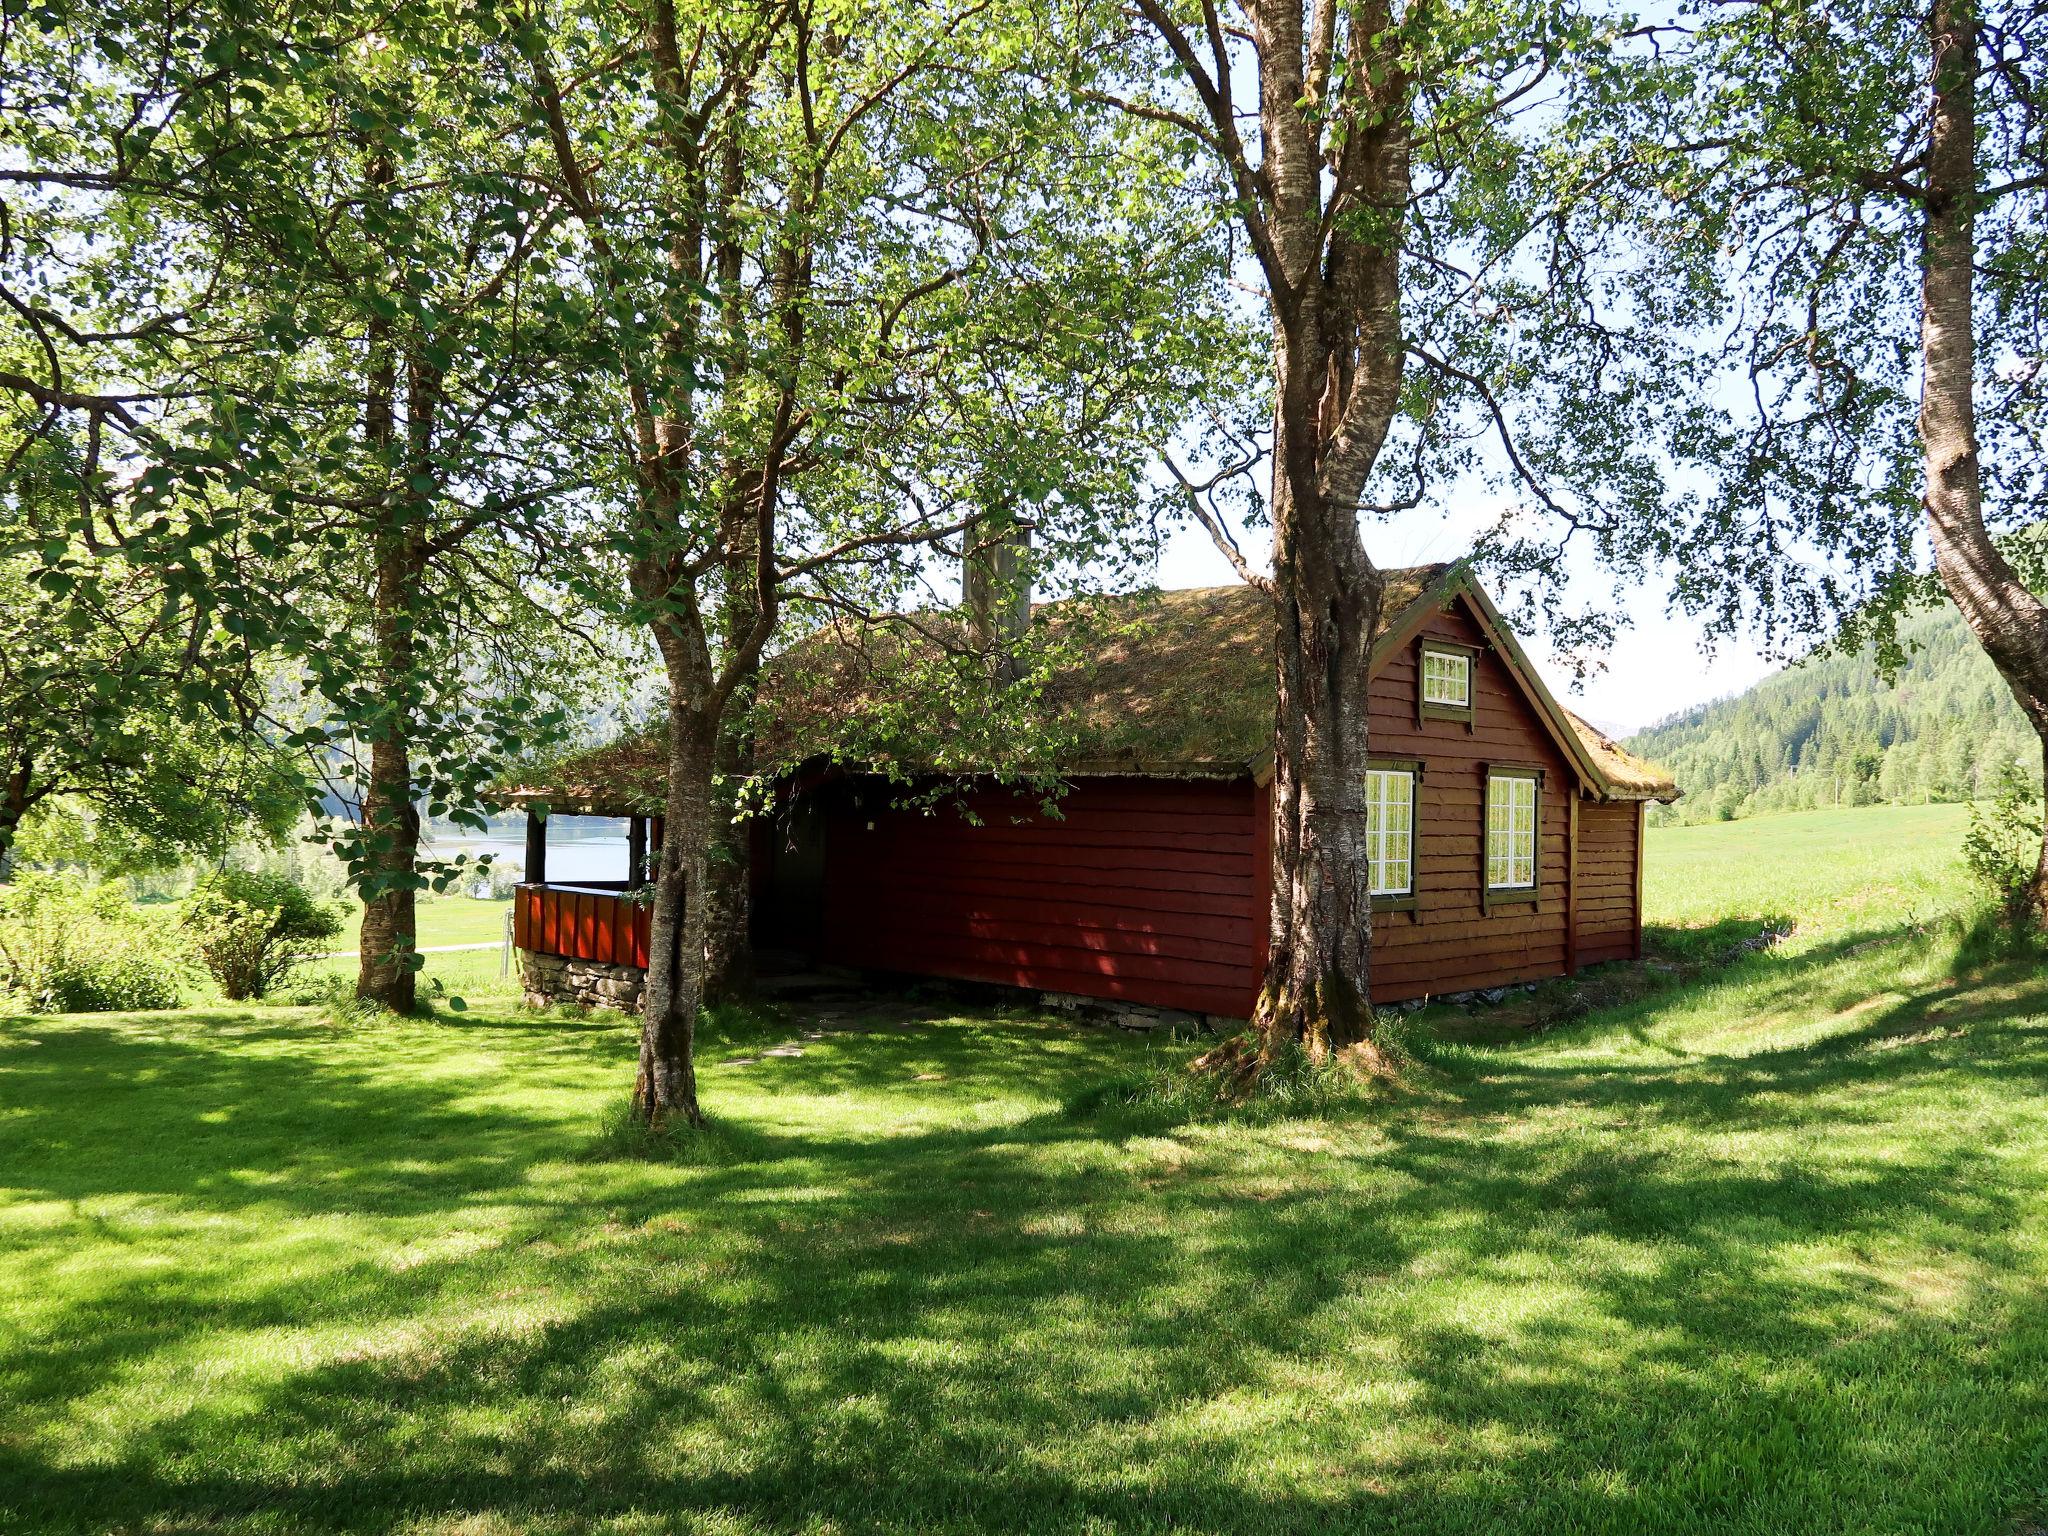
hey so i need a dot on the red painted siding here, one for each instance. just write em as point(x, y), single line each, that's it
point(1155, 890)
point(1140, 890)
point(584, 925)
point(1610, 844)
point(1451, 942)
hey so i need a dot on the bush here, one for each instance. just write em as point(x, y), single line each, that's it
point(250, 929)
point(2004, 843)
point(68, 945)
point(494, 882)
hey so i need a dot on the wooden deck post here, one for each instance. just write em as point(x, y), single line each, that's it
point(536, 872)
point(636, 852)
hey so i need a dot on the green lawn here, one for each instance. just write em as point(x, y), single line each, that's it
point(1767, 1252)
point(1831, 871)
point(442, 920)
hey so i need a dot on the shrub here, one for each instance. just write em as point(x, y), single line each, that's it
point(495, 882)
point(2004, 842)
point(250, 929)
point(68, 945)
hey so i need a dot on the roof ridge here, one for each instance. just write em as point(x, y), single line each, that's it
point(1172, 681)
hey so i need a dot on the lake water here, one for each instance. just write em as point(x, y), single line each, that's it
point(579, 848)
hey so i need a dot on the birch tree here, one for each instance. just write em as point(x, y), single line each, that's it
point(1873, 182)
point(822, 238)
point(1428, 198)
point(289, 294)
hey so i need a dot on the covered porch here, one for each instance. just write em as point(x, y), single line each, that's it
point(585, 941)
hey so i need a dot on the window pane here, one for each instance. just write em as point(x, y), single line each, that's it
point(1390, 829)
point(1446, 678)
point(1510, 832)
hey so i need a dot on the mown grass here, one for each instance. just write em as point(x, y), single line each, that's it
point(442, 920)
point(1766, 1251)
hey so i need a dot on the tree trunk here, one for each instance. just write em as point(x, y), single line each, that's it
point(384, 953)
point(1316, 987)
point(1323, 212)
point(995, 591)
point(1338, 360)
point(728, 881)
point(666, 1086)
point(2009, 621)
point(387, 950)
point(391, 825)
point(728, 875)
point(15, 804)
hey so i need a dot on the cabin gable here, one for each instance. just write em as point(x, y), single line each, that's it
point(1452, 939)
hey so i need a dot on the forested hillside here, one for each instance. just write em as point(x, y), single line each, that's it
point(1831, 731)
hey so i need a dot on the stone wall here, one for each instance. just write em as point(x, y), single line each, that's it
point(552, 979)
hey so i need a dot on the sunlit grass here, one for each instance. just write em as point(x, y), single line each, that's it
point(1830, 871)
point(1765, 1252)
point(441, 920)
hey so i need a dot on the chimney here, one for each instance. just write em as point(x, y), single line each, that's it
point(995, 589)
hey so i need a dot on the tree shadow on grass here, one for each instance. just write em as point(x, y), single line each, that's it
point(1547, 1295)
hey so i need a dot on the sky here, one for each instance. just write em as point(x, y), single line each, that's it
point(1656, 668)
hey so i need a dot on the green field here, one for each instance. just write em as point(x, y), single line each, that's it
point(442, 920)
point(1765, 1250)
point(1829, 871)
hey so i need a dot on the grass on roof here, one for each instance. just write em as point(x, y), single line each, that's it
point(1169, 682)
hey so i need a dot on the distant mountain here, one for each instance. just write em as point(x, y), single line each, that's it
point(1831, 731)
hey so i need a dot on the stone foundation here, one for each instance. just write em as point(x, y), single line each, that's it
point(1140, 1018)
point(551, 979)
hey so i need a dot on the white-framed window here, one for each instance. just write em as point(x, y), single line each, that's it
point(1446, 679)
point(1511, 831)
point(1390, 829)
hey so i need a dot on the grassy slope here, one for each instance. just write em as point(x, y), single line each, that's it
point(1767, 1252)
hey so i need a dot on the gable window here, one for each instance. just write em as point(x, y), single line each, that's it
point(1513, 797)
point(1390, 831)
point(1445, 674)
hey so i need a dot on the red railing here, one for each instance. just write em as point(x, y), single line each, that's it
point(581, 923)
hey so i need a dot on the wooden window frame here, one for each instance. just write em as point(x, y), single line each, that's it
point(1410, 901)
point(1456, 714)
point(1529, 896)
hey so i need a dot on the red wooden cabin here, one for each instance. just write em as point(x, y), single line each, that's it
point(1508, 831)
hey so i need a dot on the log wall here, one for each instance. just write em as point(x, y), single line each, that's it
point(1452, 942)
point(1610, 922)
point(1140, 890)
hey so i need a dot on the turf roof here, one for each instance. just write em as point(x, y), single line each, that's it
point(1153, 684)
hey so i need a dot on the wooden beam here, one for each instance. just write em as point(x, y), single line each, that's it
point(1642, 841)
point(636, 851)
point(1262, 886)
point(1571, 887)
point(536, 850)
